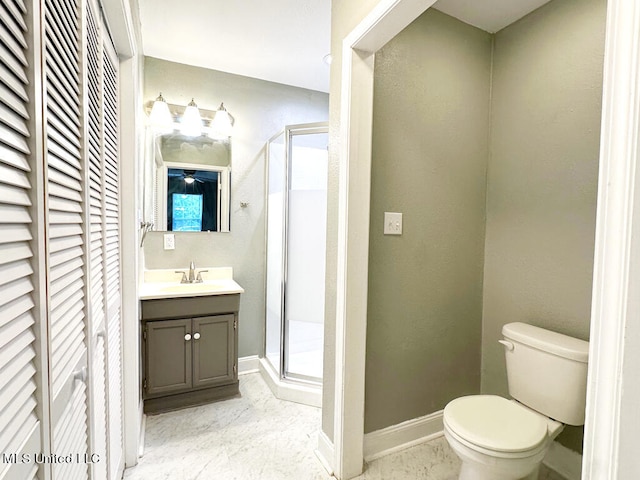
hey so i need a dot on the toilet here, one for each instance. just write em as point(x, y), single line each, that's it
point(506, 439)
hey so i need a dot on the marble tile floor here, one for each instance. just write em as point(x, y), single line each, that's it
point(255, 436)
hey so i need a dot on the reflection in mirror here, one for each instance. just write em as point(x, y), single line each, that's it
point(192, 200)
point(179, 148)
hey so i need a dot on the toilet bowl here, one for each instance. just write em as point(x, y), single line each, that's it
point(496, 438)
point(506, 439)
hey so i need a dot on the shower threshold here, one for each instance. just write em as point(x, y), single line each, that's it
point(291, 390)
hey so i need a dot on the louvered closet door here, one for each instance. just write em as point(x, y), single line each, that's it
point(112, 258)
point(20, 427)
point(95, 195)
point(65, 238)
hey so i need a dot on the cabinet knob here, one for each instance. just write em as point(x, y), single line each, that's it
point(187, 337)
point(196, 335)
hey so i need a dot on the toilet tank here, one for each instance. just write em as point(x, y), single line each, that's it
point(547, 371)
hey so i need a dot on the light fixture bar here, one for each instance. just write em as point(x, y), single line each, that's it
point(177, 112)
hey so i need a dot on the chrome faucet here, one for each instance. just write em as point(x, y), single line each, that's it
point(190, 276)
point(192, 272)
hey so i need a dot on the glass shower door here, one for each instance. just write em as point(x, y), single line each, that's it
point(305, 253)
point(296, 214)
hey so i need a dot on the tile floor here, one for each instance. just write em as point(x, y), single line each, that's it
point(257, 437)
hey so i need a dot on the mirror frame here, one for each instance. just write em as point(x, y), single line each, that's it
point(161, 185)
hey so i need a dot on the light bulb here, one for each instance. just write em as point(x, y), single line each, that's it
point(191, 121)
point(160, 116)
point(222, 123)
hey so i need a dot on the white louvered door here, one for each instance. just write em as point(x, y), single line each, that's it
point(20, 425)
point(112, 249)
point(95, 227)
point(60, 310)
point(65, 238)
point(104, 256)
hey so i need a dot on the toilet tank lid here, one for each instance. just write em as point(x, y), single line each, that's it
point(548, 341)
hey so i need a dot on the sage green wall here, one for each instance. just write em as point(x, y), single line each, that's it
point(261, 109)
point(543, 170)
point(430, 149)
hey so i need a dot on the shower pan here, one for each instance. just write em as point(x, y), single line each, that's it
point(296, 217)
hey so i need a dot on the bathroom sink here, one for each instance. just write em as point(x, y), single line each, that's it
point(192, 287)
point(166, 284)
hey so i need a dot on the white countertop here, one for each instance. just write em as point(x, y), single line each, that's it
point(165, 283)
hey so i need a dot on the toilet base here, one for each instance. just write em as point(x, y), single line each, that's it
point(533, 475)
point(469, 472)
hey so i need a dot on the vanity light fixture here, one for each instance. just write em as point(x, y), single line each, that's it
point(160, 116)
point(191, 120)
point(222, 123)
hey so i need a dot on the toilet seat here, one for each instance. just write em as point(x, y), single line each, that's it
point(495, 424)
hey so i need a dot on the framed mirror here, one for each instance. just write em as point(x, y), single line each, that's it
point(192, 187)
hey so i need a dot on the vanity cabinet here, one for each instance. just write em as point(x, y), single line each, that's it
point(189, 350)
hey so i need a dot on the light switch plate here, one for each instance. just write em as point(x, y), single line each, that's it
point(392, 223)
point(169, 241)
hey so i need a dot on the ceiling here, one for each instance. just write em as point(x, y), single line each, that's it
point(282, 41)
point(489, 15)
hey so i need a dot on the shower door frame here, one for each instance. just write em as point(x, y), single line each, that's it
point(289, 131)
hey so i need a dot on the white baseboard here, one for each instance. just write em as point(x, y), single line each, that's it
point(564, 461)
point(325, 452)
point(404, 435)
point(249, 364)
point(143, 428)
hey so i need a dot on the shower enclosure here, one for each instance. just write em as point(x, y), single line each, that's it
point(296, 203)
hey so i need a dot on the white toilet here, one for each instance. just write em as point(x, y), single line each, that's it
point(500, 439)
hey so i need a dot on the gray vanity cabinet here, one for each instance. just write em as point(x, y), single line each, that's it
point(193, 359)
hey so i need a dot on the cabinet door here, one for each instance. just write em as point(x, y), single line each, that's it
point(213, 350)
point(168, 356)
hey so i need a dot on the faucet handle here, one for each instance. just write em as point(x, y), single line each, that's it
point(199, 279)
point(184, 276)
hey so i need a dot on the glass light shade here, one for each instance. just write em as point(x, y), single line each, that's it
point(191, 121)
point(222, 123)
point(160, 116)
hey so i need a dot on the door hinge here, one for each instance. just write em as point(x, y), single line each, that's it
point(235, 324)
point(235, 369)
point(144, 334)
point(144, 384)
